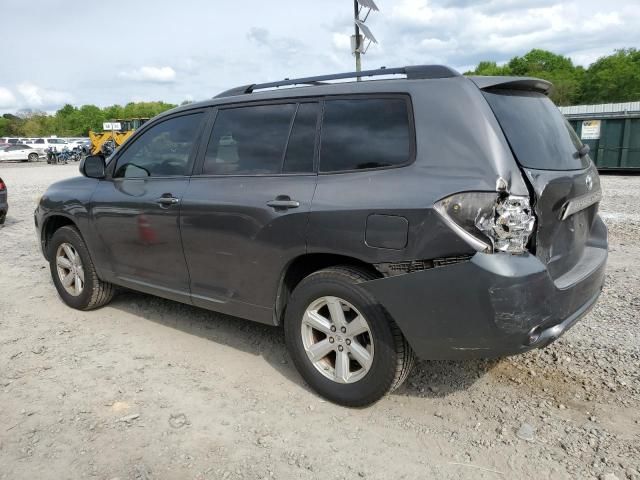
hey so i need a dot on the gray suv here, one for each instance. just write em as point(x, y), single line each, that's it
point(435, 215)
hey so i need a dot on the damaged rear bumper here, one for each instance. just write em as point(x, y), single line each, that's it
point(492, 305)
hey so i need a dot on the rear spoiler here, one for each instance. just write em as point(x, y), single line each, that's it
point(512, 83)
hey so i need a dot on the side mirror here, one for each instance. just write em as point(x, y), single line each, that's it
point(93, 166)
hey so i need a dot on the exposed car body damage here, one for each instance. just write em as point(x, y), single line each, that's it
point(486, 306)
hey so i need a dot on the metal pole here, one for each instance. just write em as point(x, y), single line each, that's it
point(357, 42)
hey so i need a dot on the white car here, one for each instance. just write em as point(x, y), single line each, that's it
point(75, 143)
point(42, 144)
point(24, 153)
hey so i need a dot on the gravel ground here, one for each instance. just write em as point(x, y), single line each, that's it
point(146, 388)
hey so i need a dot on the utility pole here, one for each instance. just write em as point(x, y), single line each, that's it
point(356, 49)
point(359, 26)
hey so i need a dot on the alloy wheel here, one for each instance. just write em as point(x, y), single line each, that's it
point(70, 270)
point(337, 339)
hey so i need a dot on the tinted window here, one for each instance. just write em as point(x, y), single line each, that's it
point(163, 150)
point(364, 133)
point(538, 133)
point(302, 142)
point(40, 140)
point(249, 140)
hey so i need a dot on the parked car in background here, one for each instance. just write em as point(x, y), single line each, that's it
point(20, 152)
point(42, 144)
point(85, 145)
point(375, 220)
point(4, 202)
point(75, 143)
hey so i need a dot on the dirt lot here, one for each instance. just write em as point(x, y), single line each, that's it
point(147, 388)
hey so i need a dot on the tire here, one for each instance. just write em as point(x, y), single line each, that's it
point(33, 157)
point(390, 356)
point(93, 292)
point(3, 217)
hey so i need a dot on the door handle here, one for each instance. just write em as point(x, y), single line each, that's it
point(283, 203)
point(167, 201)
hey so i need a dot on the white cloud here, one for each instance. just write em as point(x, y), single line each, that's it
point(462, 32)
point(341, 41)
point(150, 74)
point(7, 98)
point(254, 42)
point(37, 97)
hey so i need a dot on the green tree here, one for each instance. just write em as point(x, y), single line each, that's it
point(558, 69)
point(540, 62)
point(92, 118)
point(12, 125)
point(5, 124)
point(614, 78)
point(71, 121)
point(490, 68)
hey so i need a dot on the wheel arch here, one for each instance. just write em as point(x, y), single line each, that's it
point(50, 225)
point(303, 266)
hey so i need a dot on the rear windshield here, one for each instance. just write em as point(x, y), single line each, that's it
point(539, 135)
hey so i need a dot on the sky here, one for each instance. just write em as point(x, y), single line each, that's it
point(54, 52)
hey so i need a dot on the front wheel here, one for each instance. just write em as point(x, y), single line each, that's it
point(73, 273)
point(342, 341)
point(33, 157)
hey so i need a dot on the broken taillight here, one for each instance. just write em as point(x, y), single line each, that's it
point(489, 221)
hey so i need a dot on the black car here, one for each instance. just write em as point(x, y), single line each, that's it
point(440, 215)
point(4, 202)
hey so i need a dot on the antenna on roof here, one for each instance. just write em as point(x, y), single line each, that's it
point(357, 40)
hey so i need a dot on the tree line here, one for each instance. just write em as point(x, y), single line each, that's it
point(72, 121)
point(612, 78)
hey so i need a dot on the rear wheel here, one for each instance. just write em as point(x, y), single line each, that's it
point(342, 341)
point(73, 272)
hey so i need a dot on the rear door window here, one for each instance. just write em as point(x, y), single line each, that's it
point(539, 135)
point(249, 140)
point(365, 133)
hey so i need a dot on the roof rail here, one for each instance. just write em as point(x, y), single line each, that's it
point(412, 72)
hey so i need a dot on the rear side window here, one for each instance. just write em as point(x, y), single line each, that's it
point(539, 135)
point(249, 140)
point(364, 133)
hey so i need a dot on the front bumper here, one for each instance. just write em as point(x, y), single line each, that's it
point(38, 220)
point(493, 305)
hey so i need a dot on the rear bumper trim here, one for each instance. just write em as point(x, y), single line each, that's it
point(580, 203)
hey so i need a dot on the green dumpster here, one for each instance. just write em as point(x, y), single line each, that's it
point(612, 132)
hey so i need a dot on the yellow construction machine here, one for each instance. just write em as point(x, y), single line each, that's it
point(116, 132)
